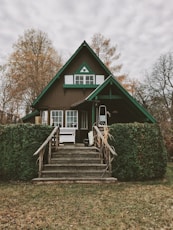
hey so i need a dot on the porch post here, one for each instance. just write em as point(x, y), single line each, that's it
point(93, 113)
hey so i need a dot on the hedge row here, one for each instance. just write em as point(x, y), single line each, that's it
point(141, 152)
point(17, 145)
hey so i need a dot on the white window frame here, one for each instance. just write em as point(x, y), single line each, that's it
point(73, 123)
point(55, 116)
point(81, 79)
point(84, 120)
point(91, 80)
point(44, 117)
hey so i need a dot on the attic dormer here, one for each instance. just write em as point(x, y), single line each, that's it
point(84, 77)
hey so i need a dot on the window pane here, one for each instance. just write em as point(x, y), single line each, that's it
point(84, 120)
point(72, 118)
point(57, 118)
point(89, 79)
point(79, 79)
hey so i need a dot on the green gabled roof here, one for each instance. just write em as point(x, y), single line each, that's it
point(84, 44)
point(30, 115)
point(112, 80)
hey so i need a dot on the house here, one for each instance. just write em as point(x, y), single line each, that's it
point(84, 92)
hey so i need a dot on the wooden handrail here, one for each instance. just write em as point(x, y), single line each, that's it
point(41, 149)
point(105, 149)
point(105, 141)
point(54, 131)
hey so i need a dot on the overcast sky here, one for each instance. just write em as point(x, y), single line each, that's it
point(141, 29)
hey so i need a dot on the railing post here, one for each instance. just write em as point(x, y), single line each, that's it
point(41, 162)
point(57, 138)
point(110, 165)
point(50, 151)
point(106, 150)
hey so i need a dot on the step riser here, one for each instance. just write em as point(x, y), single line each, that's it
point(77, 149)
point(73, 167)
point(75, 175)
point(75, 155)
point(75, 161)
point(47, 180)
point(64, 151)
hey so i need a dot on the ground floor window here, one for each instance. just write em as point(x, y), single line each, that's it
point(56, 118)
point(84, 120)
point(71, 118)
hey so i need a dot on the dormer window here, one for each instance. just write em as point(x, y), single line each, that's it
point(79, 79)
point(90, 79)
point(84, 77)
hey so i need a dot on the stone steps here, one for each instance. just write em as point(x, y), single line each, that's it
point(72, 164)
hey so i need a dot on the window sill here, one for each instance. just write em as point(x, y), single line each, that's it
point(72, 86)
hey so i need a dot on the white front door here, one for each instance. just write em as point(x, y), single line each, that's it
point(102, 117)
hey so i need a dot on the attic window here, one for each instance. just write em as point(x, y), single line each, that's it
point(79, 79)
point(84, 79)
point(84, 70)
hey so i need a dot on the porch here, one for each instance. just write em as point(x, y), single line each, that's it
point(75, 163)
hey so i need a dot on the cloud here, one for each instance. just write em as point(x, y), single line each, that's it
point(141, 29)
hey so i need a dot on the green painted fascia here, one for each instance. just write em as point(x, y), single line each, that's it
point(110, 79)
point(56, 77)
point(30, 115)
point(65, 66)
point(97, 58)
point(133, 100)
point(98, 89)
point(75, 86)
point(116, 97)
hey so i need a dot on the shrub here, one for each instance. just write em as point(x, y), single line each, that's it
point(17, 146)
point(141, 152)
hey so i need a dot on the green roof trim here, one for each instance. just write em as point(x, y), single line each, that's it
point(111, 80)
point(30, 115)
point(84, 44)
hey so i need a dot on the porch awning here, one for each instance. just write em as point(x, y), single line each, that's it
point(116, 98)
point(81, 103)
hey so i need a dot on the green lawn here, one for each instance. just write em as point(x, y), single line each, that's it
point(77, 206)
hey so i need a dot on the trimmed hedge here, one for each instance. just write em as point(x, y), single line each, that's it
point(17, 146)
point(141, 152)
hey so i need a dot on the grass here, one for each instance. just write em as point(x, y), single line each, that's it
point(119, 206)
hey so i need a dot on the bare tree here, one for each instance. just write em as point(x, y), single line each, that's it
point(8, 106)
point(106, 52)
point(160, 85)
point(156, 94)
point(33, 63)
